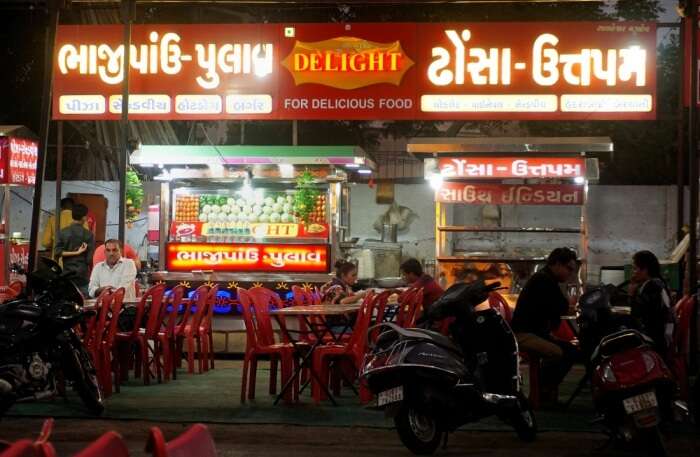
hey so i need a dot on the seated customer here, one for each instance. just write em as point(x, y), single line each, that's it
point(128, 252)
point(412, 273)
point(538, 313)
point(339, 289)
point(114, 272)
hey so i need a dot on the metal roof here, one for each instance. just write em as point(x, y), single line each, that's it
point(435, 147)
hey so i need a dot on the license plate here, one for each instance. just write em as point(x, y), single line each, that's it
point(390, 396)
point(640, 402)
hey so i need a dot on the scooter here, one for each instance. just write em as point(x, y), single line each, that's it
point(432, 384)
point(631, 385)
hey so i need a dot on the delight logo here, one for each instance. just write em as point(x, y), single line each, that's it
point(347, 63)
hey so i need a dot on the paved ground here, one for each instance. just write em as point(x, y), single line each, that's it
point(71, 435)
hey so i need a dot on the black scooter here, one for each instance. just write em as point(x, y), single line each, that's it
point(432, 384)
point(38, 344)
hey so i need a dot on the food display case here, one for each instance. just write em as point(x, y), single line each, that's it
point(240, 216)
point(502, 204)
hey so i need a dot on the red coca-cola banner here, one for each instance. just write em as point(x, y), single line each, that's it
point(512, 167)
point(504, 194)
point(302, 258)
point(18, 158)
point(487, 70)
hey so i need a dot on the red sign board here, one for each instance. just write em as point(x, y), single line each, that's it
point(301, 258)
point(18, 158)
point(490, 70)
point(504, 194)
point(511, 167)
point(260, 230)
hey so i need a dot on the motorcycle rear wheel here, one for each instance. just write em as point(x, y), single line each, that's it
point(83, 373)
point(418, 431)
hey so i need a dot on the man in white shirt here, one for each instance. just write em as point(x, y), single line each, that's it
point(114, 272)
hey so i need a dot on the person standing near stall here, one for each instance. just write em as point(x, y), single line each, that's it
point(651, 301)
point(538, 313)
point(75, 246)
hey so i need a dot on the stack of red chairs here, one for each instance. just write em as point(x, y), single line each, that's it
point(352, 351)
point(101, 335)
point(28, 448)
point(260, 341)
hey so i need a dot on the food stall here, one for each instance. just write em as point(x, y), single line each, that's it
point(502, 204)
point(244, 216)
point(18, 159)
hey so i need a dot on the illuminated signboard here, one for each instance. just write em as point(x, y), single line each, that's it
point(303, 258)
point(18, 158)
point(504, 194)
point(547, 70)
point(180, 229)
point(511, 167)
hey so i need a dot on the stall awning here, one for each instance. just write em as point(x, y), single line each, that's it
point(442, 147)
point(251, 155)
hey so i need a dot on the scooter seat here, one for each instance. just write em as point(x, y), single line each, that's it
point(427, 335)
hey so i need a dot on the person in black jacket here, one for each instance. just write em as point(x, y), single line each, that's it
point(538, 313)
point(651, 301)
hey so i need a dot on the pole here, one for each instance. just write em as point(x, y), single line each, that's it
point(44, 129)
point(59, 180)
point(693, 170)
point(127, 15)
point(7, 241)
point(680, 154)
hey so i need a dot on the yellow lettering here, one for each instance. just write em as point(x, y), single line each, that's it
point(301, 62)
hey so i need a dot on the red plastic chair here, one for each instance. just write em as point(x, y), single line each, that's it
point(188, 329)
point(166, 335)
point(206, 330)
point(109, 360)
point(260, 341)
point(39, 448)
point(21, 448)
point(410, 306)
point(196, 441)
point(125, 341)
point(96, 338)
point(381, 304)
point(148, 346)
point(353, 351)
point(680, 349)
point(111, 444)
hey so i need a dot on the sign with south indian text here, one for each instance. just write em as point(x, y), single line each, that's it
point(505, 194)
point(512, 167)
point(426, 71)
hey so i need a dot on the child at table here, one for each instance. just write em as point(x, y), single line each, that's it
point(338, 291)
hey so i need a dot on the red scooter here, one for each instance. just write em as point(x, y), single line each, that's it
point(632, 389)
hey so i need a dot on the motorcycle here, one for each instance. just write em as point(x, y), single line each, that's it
point(39, 346)
point(632, 386)
point(432, 384)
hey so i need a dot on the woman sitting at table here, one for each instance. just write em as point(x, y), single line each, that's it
point(338, 291)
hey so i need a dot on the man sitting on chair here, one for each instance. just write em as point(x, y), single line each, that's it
point(114, 272)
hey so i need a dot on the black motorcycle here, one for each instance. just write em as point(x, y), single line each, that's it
point(432, 384)
point(38, 344)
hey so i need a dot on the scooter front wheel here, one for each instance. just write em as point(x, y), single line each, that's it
point(523, 420)
point(418, 431)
